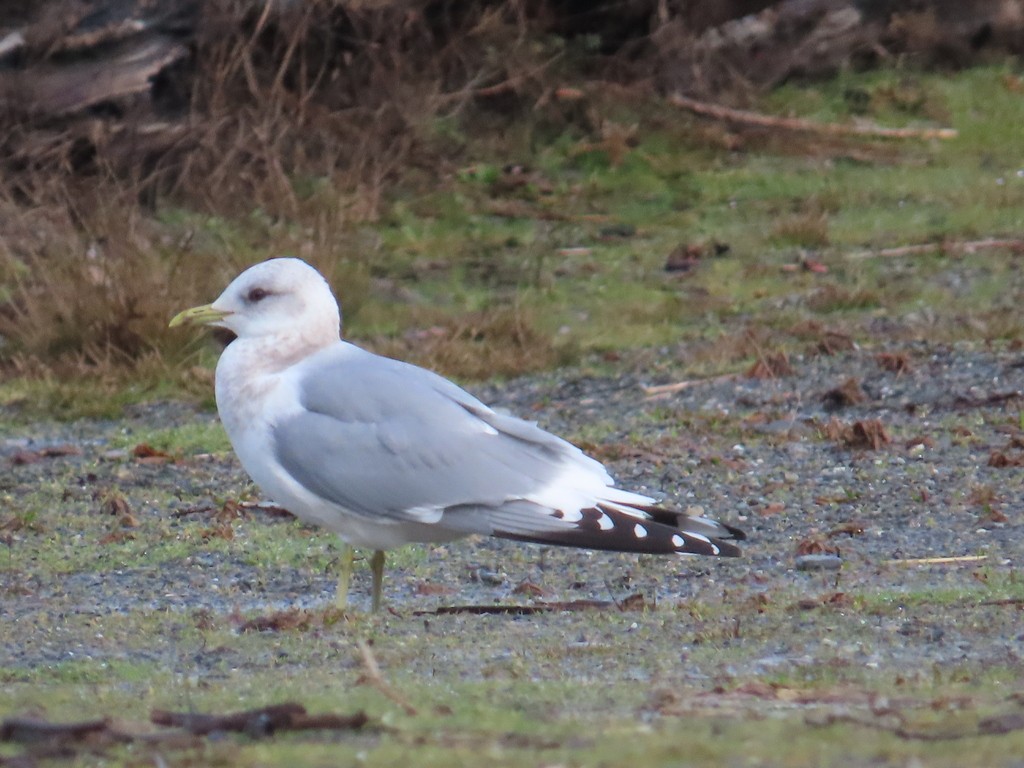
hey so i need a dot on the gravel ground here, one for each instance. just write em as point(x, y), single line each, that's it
point(756, 452)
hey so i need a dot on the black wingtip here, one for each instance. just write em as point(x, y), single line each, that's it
point(690, 523)
point(726, 549)
point(735, 533)
point(610, 529)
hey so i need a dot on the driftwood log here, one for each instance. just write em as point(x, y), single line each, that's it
point(800, 39)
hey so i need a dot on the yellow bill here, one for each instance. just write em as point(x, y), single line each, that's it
point(204, 315)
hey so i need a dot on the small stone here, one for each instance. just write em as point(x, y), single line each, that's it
point(819, 563)
point(487, 576)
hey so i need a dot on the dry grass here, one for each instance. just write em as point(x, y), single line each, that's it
point(495, 342)
point(833, 297)
point(300, 118)
point(760, 349)
point(89, 284)
point(807, 229)
point(327, 96)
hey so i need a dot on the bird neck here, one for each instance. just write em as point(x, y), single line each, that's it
point(272, 354)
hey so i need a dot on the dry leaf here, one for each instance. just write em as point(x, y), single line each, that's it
point(773, 365)
point(847, 394)
point(896, 362)
point(815, 545)
point(864, 434)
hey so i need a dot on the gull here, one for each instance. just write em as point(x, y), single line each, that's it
point(384, 453)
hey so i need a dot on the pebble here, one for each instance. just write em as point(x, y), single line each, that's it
point(818, 563)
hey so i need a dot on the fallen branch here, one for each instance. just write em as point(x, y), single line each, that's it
point(46, 739)
point(996, 725)
point(999, 724)
point(289, 716)
point(372, 676)
point(746, 117)
point(31, 730)
point(963, 247)
point(254, 721)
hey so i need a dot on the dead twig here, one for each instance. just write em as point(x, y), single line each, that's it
point(372, 676)
point(664, 390)
point(958, 247)
point(509, 85)
point(635, 602)
point(718, 112)
point(266, 508)
point(996, 398)
point(938, 560)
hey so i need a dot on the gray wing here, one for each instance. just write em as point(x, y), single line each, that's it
point(381, 437)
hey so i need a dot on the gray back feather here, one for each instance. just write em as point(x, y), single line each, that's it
point(381, 437)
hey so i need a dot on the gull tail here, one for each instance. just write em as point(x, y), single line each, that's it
point(618, 527)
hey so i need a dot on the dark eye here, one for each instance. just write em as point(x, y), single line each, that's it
point(256, 294)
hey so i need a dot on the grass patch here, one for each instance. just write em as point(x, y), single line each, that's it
point(518, 722)
point(197, 437)
point(499, 268)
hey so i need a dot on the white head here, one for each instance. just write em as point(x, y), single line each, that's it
point(282, 296)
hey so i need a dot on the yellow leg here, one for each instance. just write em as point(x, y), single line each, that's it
point(377, 568)
point(344, 576)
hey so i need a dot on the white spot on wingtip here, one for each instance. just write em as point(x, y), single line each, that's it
point(605, 523)
point(678, 541)
point(639, 531)
point(715, 550)
point(571, 515)
point(489, 430)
